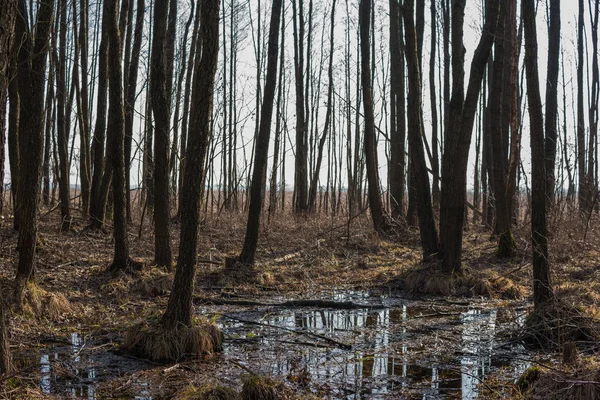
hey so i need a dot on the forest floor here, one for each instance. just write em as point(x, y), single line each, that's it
point(365, 330)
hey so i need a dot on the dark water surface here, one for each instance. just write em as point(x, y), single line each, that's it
point(392, 348)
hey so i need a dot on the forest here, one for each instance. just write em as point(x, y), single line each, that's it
point(300, 199)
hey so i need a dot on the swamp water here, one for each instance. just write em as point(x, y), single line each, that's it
point(391, 348)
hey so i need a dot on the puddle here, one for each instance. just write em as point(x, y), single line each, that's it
point(423, 349)
point(411, 349)
point(73, 369)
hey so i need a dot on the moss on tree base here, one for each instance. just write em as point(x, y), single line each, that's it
point(507, 247)
point(150, 340)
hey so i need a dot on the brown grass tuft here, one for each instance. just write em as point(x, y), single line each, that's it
point(207, 391)
point(38, 302)
point(429, 281)
point(482, 287)
point(152, 341)
point(557, 323)
point(263, 388)
point(580, 382)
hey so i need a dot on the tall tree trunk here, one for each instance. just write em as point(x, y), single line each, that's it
point(130, 95)
point(428, 230)
point(13, 134)
point(370, 141)
point(397, 168)
point(98, 193)
point(278, 128)
point(116, 136)
point(301, 156)
point(542, 288)
point(498, 125)
point(435, 164)
point(583, 184)
point(7, 21)
point(31, 77)
point(551, 123)
point(328, 116)
point(179, 308)
point(160, 90)
point(459, 127)
point(61, 121)
point(262, 145)
point(85, 167)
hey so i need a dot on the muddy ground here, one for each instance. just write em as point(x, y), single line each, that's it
point(364, 332)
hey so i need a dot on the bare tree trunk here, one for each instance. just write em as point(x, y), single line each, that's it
point(116, 136)
point(7, 21)
point(160, 88)
point(397, 168)
point(459, 127)
point(583, 184)
point(328, 116)
point(262, 145)
point(551, 123)
point(98, 193)
point(32, 56)
point(62, 134)
point(279, 117)
point(85, 167)
point(130, 94)
point(428, 230)
point(542, 287)
point(380, 222)
point(179, 308)
point(301, 157)
point(435, 165)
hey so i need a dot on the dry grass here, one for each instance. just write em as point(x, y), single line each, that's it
point(40, 303)
point(150, 340)
point(264, 388)
point(208, 391)
point(578, 382)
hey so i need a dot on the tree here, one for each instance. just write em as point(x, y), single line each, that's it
point(160, 89)
point(418, 166)
point(301, 156)
point(459, 126)
point(62, 132)
point(397, 165)
point(551, 123)
point(499, 116)
point(380, 222)
point(32, 58)
point(85, 168)
point(176, 324)
point(584, 205)
point(542, 288)
point(130, 95)
point(261, 149)
point(100, 182)
point(328, 117)
point(7, 21)
point(116, 137)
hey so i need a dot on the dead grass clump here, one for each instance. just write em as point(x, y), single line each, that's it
point(41, 303)
point(507, 288)
point(154, 283)
point(429, 281)
point(207, 391)
point(580, 382)
point(152, 341)
point(263, 388)
point(482, 287)
point(557, 323)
